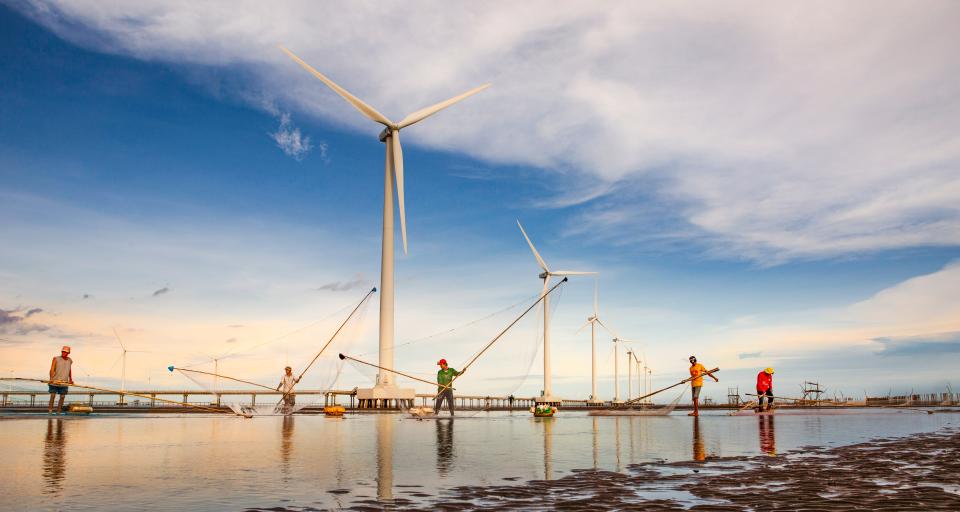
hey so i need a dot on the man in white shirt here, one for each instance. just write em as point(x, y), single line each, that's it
point(286, 385)
point(61, 375)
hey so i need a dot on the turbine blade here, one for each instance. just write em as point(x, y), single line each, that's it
point(607, 328)
point(424, 113)
point(582, 327)
point(596, 294)
point(536, 254)
point(364, 109)
point(398, 177)
point(118, 339)
point(573, 273)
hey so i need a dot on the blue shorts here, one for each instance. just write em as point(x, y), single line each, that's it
point(60, 390)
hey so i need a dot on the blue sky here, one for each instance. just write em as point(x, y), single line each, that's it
point(734, 203)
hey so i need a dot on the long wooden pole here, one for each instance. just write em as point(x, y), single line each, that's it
point(343, 356)
point(542, 297)
point(472, 360)
point(684, 381)
point(325, 345)
point(171, 368)
point(114, 391)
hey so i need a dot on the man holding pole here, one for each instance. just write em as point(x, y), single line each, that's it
point(696, 373)
point(61, 374)
point(445, 378)
point(287, 382)
point(765, 389)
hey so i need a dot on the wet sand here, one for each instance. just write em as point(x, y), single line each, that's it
point(920, 472)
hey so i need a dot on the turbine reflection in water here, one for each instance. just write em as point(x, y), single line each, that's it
point(385, 457)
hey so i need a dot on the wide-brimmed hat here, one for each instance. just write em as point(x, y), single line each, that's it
point(769, 371)
point(66, 348)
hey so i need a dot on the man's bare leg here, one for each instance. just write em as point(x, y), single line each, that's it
point(50, 406)
point(60, 404)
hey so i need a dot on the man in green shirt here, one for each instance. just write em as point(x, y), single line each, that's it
point(444, 377)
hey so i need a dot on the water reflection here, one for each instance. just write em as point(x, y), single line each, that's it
point(616, 440)
point(699, 451)
point(768, 440)
point(54, 456)
point(444, 446)
point(547, 448)
point(596, 444)
point(286, 444)
point(384, 457)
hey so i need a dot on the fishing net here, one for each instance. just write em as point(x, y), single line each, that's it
point(642, 411)
point(495, 371)
point(230, 379)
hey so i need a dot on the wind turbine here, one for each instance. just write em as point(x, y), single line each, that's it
point(546, 275)
point(616, 366)
point(123, 362)
point(393, 176)
point(592, 321)
point(630, 364)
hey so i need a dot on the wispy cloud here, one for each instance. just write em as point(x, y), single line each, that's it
point(924, 345)
point(292, 142)
point(13, 323)
point(342, 286)
point(161, 291)
point(749, 355)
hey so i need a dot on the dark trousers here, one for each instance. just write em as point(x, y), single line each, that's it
point(768, 394)
point(447, 395)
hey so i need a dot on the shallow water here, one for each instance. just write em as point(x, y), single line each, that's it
point(199, 462)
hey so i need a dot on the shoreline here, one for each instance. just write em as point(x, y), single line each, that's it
point(920, 472)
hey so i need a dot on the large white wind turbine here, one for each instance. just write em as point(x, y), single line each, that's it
point(546, 275)
point(393, 176)
point(592, 321)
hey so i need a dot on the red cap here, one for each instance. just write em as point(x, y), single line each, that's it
point(442, 361)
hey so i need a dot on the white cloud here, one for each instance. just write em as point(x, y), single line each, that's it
point(769, 131)
point(292, 142)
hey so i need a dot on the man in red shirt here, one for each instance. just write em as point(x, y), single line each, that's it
point(765, 389)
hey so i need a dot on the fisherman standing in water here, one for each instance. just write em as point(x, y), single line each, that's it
point(765, 389)
point(287, 382)
point(61, 374)
point(444, 378)
point(696, 373)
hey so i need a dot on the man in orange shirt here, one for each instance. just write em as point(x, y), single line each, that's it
point(697, 371)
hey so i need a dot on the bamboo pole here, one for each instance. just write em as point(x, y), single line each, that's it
point(114, 391)
point(474, 358)
point(325, 345)
point(684, 381)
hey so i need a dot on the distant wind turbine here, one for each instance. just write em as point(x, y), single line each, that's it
point(123, 362)
point(546, 275)
point(592, 321)
point(390, 136)
point(616, 366)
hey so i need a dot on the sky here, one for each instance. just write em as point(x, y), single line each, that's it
point(768, 184)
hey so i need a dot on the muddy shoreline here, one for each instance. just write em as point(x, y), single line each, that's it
point(920, 472)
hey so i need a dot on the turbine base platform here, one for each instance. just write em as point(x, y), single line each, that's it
point(548, 400)
point(386, 397)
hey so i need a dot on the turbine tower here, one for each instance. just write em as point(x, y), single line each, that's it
point(616, 366)
point(386, 389)
point(123, 363)
point(592, 321)
point(547, 397)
